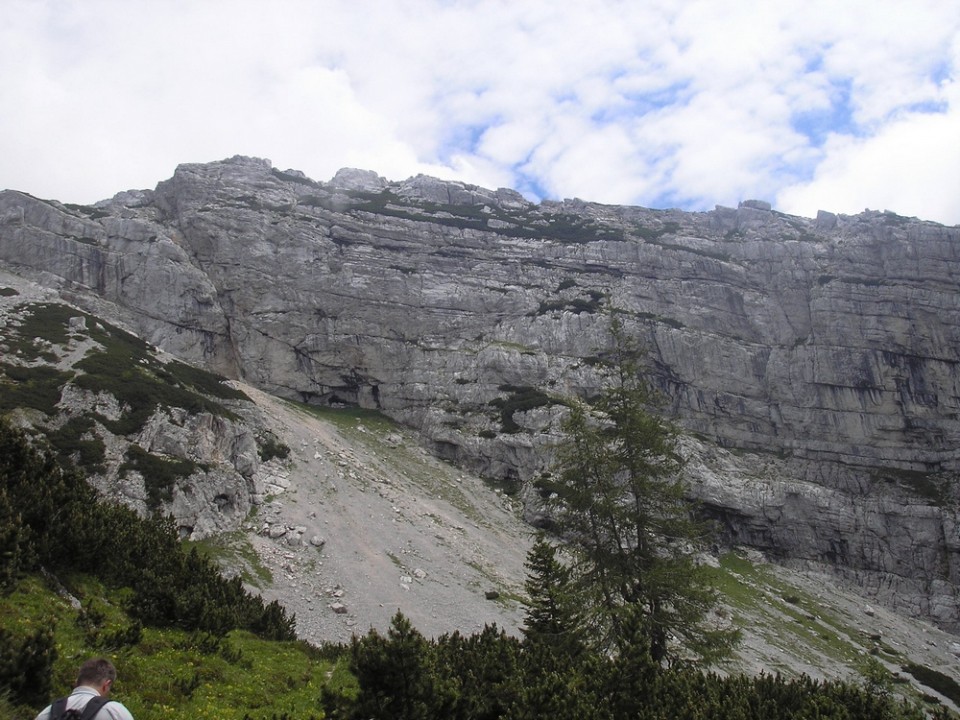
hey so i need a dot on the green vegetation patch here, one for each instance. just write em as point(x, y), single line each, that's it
point(234, 550)
point(589, 305)
point(891, 218)
point(38, 388)
point(41, 323)
point(269, 447)
point(793, 619)
point(943, 684)
point(558, 227)
point(651, 234)
point(669, 322)
point(572, 229)
point(202, 380)
point(294, 178)
point(521, 399)
point(126, 369)
point(48, 321)
point(167, 672)
point(76, 442)
point(94, 213)
point(350, 418)
point(237, 677)
point(8, 292)
point(159, 474)
point(929, 486)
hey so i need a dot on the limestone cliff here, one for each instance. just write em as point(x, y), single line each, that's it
point(812, 363)
point(145, 429)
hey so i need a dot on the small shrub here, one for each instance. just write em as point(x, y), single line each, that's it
point(159, 474)
point(202, 380)
point(269, 448)
point(48, 321)
point(122, 637)
point(576, 305)
point(522, 399)
point(188, 685)
point(91, 617)
point(73, 446)
point(647, 233)
point(290, 177)
point(141, 385)
point(943, 684)
point(579, 305)
point(38, 388)
point(26, 664)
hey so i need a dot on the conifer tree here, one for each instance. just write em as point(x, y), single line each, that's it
point(624, 506)
point(13, 543)
point(396, 674)
point(553, 618)
point(478, 674)
point(26, 663)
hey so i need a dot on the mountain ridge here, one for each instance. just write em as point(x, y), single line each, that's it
point(811, 362)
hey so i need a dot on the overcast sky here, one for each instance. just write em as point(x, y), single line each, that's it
point(836, 104)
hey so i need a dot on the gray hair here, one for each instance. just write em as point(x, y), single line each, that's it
point(96, 671)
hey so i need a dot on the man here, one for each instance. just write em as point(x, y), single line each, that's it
point(94, 681)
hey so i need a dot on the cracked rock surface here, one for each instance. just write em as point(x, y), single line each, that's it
point(813, 362)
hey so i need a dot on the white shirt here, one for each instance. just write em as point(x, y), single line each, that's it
point(81, 696)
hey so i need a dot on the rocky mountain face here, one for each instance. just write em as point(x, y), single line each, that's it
point(813, 364)
point(146, 430)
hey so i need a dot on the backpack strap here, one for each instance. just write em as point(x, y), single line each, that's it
point(93, 707)
point(58, 709)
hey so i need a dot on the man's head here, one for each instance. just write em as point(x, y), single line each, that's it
point(98, 673)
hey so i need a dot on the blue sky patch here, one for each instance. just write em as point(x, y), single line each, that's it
point(819, 123)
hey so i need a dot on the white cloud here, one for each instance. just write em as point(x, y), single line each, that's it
point(910, 163)
point(693, 103)
point(910, 167)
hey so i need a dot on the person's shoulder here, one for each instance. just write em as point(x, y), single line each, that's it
point(114, 710)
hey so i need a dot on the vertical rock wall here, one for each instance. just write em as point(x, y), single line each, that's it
point(825, 351)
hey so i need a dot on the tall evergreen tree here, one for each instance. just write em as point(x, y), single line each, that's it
point(624, 506)
point(553, 618)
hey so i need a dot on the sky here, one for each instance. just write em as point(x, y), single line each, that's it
point(835, 105)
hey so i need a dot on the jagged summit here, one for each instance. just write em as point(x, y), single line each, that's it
point(240, 169)
point(353, 179)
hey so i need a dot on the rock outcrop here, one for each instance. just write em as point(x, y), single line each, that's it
point(146, 430)
point(813, 363)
